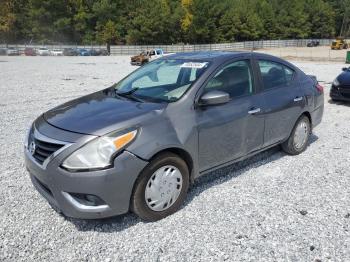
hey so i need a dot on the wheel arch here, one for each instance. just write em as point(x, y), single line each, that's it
point(183, 154)
point(308, 115)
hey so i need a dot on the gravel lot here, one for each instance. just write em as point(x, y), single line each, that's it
point(320, 53)
point(272, 207)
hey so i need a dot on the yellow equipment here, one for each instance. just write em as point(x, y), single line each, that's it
point(339, 44)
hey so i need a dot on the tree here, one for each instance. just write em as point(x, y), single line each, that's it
point(341, 9)
point(204, 27)
point(7, 19)
point(48, 21)
point(241, 21)
point(170, 21)
point(152, 23)
point(268, 19)
point(291, 19)
point(187, 17)
point(321, 19)
point(108, 34)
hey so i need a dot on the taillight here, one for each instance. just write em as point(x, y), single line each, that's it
point(319, 88)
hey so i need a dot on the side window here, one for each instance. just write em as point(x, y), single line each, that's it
point(152, 52)
point(289, 74)
point(158, 52)
point(275, 74)
point(234, 79)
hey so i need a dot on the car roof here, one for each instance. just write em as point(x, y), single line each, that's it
point(221, 56)
point(207, 55)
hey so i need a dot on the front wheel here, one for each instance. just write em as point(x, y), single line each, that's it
point(161, 188)
point(299, 138)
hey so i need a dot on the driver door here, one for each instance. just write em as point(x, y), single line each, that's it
point(232, 130)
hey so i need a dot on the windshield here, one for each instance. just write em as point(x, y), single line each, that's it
point(164, 80)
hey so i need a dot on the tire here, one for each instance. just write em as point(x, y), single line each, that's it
point(334, 100)
point(149, 177)
point(292, 145)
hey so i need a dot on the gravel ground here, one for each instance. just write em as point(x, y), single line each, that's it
point(272, 207)
point(320, 53)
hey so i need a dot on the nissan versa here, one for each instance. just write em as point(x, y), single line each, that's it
point(139, 144)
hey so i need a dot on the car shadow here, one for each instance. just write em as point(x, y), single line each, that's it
point(339, 102)
point(227, 173)
point(217, 177)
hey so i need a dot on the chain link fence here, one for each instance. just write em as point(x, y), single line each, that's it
point(248, 45)
point(294, 48)
point(136, 49)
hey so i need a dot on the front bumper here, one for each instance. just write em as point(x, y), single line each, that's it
point(339, 93)
point(64, 190)
point(135, 63)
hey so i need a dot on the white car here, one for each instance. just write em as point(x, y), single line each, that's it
point(56, 52)
point(11, 51)
point(43, 51)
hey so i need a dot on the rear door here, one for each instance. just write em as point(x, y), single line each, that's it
point(283, 97)
point(234, 129)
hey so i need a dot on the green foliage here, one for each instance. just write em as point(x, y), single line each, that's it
point(107, 33)
point(7, 18)
point(170, 21)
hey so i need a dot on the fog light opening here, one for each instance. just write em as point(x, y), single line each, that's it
point(88, 200)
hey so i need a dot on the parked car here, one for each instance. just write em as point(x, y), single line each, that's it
point(3, 51)
point(84, 52)
point(29, 51)
point(43, 51)
point(56, 52)
point(146, 56)
point(70, 52)
point(12, 51)
point(340, 90)
point(94, 52)
point(139, 144)
point(104, 52)
point(98, 52)
point(313, 43)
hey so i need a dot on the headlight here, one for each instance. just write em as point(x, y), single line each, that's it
point(336, 82)
point(26, 139)
point(99, 153)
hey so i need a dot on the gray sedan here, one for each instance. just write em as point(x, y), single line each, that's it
point(139, 144)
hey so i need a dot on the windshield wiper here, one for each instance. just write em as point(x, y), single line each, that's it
point(129, 94)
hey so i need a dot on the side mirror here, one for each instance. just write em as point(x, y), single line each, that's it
point(214, 98)
point(345, 69)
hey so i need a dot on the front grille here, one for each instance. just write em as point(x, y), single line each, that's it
point(40, 149)
point(44, 150)
point(345, 95)
point(345, 91)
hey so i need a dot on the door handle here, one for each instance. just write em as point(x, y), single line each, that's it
point(254, 111)
point(297, 99)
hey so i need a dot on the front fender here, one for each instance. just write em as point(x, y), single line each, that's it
point(160, 135)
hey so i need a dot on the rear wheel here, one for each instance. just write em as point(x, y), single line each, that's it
point(299, 138)
point(161, 188)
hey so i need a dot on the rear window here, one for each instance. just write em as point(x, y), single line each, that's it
point(275, 74)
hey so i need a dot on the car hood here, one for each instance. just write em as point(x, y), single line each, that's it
point(136, 57)
point(100, 113)
point(344, 78)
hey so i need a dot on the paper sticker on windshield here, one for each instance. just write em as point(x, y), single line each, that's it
point(194, 64)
